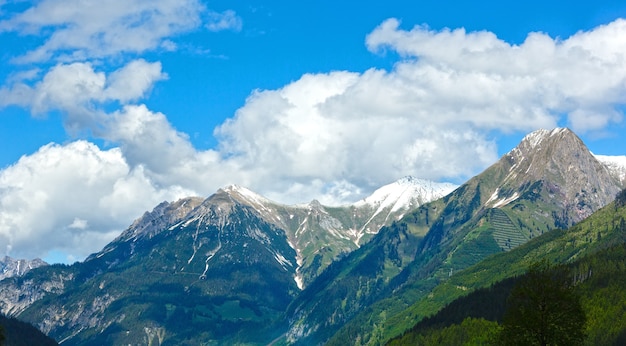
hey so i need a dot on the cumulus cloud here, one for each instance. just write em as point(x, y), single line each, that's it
point(349, 127)
point(77, 90)
point(431, 115)
point(493, 84)
point(73, 198)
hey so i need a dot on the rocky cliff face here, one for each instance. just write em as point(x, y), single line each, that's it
point(19, 292)
point(567, 170)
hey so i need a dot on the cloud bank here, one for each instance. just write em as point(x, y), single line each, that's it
point(332, 136)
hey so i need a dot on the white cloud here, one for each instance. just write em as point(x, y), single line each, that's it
point(79, 224)
point(133, 81)
point(362, 129)
point(77, 30)
point(227, 20)
point(61, 198)
point(432, 115)
point(493, 84)
point(78, 90)
point(147, 138)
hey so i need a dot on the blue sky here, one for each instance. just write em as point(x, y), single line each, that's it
point(109, 107)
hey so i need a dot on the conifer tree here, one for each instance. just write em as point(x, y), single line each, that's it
point(543, 309)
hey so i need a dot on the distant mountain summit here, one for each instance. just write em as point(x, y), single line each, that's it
point(403, 195)
point(11, 267)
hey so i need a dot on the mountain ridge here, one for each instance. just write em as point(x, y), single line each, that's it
point(233, 253)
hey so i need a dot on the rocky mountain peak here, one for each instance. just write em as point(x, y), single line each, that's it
point(548, 145)
point(10, 267)
point(164, 214)
point(567, 171)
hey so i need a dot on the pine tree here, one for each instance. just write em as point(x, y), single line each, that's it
point(543, 309)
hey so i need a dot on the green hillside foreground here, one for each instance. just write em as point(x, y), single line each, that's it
point(594, 251)
point(598, 279)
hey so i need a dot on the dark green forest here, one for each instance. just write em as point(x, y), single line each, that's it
point(595, 283)
point(17, 333)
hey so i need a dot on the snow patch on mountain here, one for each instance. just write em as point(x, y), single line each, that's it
point(535, 138)
point(247, 194)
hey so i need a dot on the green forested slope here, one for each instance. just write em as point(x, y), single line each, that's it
point(594, 251)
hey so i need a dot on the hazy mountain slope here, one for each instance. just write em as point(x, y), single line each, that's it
point(549, 180)
point(616, 166)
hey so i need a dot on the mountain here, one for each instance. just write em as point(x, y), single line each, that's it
point(222, 269)
point(11, 267)
point(188, 273)
point(549, 181)
point(320, 234)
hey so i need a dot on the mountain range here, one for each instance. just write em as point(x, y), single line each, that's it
point(229, 264)
point(239, 268)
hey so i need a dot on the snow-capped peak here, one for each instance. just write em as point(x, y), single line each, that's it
point(404, 193)
point(247, 194)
